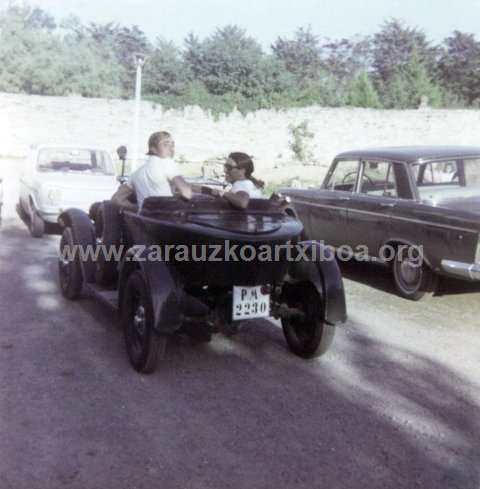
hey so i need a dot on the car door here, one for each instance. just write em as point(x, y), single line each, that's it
point(328, 211)
point(371, 206)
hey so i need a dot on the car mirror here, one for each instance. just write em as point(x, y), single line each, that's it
point(373, 165)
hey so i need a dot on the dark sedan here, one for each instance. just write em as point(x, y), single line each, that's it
point(416, 207)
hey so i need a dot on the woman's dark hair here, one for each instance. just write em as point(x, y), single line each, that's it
point(245, 162)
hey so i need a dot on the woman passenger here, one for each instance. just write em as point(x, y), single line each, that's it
point(244, 186)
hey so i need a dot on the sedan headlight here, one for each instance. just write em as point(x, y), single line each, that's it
point(55, 196)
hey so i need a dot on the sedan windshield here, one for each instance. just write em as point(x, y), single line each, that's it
point(448, 178)
point(87, 161)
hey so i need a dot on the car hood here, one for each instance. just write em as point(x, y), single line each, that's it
point(75, 190)
point(77, 181)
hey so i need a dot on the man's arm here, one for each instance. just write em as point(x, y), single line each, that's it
point(183, 188)
point(121, 198)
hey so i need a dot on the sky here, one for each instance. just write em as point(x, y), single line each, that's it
point(265, 20)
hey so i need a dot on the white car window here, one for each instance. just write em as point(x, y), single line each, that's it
point(75, 160)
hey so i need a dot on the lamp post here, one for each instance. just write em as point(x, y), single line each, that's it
point(139, 62)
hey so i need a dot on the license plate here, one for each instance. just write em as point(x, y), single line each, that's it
point(249, 303)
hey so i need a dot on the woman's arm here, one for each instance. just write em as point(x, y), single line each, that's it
point(237, 199)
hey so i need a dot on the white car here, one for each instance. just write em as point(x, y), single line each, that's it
point(55, 178)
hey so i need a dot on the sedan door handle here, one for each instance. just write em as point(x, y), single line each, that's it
point(386, 205)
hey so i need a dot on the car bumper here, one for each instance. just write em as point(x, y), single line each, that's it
point(466, 271)
point(52, 214)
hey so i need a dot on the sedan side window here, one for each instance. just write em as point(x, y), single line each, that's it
point(378, 179)
point(343, 177)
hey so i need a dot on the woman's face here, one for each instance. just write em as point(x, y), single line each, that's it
point(233, 172)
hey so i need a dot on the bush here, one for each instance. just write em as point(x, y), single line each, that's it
point(301, 141)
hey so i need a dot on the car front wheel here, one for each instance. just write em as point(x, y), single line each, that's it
point(411, 275)
point(37, 225)
point(144, 346)
point(69, 267)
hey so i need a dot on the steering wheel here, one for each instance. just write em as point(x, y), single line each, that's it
point(369, 180)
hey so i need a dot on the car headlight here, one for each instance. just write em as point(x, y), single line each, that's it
point(55, 196)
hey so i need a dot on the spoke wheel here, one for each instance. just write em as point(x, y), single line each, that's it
point(69, 267)
point(310, 336)
point(144, 346)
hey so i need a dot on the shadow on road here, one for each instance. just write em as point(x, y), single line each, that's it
point(233, 413)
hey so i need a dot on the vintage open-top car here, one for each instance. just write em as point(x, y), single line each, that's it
point(158, 296)
point(55, 178)
point(422, 202)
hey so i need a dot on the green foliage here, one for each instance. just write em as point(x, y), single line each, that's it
point(228, 69)
point(165, 72)
point(406, 88)
point(226, 62)
point(459, 66)
point(362, 93)
point(301, 55)
point(393, 48)
point(300, 142)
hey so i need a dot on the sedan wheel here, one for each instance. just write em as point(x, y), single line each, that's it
point(144, 346)
point(411, 276)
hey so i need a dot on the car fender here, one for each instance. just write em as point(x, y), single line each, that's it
point(163, 286)
point(83, 235)
point(321, 268)
point(402, 241)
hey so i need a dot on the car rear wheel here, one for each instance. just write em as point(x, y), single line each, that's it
point(308, 336)
point(144, 346)
point(411, 275)
point(69, 267)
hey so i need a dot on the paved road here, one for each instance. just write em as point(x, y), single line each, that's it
point(394, 404)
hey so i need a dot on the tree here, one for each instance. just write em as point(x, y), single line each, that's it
point(227, 61)
point(393, 48)
point(301, 55)
point(406, 88)
point(345, 59)
point(165, 72)
point(362, 93)
point(459, 66)
point(124, 41)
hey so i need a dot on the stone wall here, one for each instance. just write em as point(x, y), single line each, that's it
point(74, 120)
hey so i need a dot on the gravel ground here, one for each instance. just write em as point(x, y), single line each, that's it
point(394, 403)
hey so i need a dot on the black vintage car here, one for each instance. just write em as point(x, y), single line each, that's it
point(158, 295)
point(415, 207)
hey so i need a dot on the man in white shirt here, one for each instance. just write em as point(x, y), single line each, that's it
point(159, 176)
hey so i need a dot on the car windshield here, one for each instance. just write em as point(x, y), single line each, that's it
point(87, 161)
point(454, 177)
